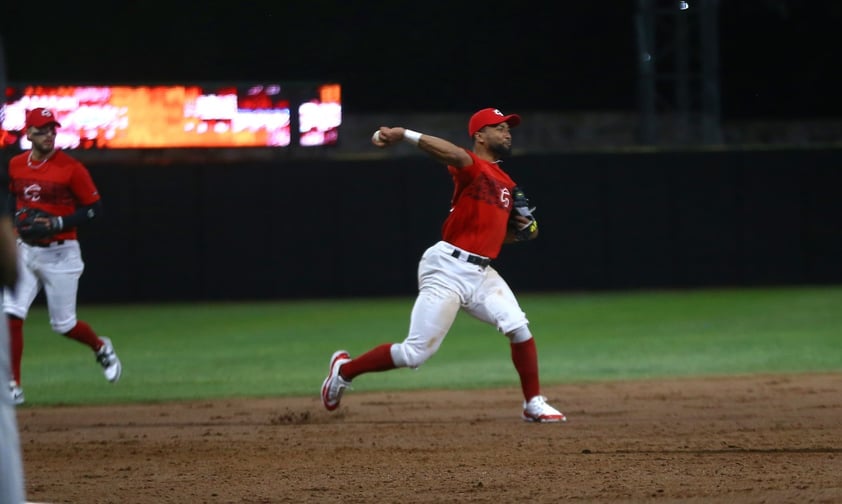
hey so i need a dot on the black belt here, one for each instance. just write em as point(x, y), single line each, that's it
point(45, 244)
point(473, 259)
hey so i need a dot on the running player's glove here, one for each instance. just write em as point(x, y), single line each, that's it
point(34, 224)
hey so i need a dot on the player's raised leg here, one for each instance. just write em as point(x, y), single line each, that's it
point(334, 385)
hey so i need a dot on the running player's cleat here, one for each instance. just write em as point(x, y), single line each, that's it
point(107, 358)
point(16, 393)
point(334, 385)
point(537, 410)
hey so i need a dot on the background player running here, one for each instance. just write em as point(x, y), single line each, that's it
point(50, 180)
point(455, 273)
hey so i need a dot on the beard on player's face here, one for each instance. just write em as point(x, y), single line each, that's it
point(500, 149)
point(43, 139)
point(44, 146)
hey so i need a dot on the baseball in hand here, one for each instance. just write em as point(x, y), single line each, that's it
point(376, 140)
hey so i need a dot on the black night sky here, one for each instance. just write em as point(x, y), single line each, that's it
point(778, 58)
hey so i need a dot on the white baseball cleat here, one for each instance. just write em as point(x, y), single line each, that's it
point(107, 358)
point(16, 393)
point(334, 385)
point(537, 410)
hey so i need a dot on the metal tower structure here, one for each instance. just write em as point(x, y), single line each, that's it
point(678, 72)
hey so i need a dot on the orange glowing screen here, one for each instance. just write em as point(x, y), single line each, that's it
point(138, 117)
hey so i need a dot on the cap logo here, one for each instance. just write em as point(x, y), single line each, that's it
point(46, 113)
point(497, 112)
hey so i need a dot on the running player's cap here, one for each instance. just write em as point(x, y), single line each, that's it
point(40, 117)
point(488, 117)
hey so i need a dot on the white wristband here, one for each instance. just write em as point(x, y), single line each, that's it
point(412, 137)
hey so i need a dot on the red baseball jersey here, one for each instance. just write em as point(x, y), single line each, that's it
point(58, 186)
point(480, 208)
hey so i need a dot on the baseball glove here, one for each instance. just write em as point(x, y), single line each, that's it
point(522, 229)
point(35, 224)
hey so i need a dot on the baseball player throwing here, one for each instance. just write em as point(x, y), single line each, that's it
point(487, 210)
point(52, 194)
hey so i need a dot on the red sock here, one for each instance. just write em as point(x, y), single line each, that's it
point(16, 343)
point(525, 359)
point(378, 358)
point(83, 333)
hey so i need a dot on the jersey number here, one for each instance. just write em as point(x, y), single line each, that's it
point(505, 197)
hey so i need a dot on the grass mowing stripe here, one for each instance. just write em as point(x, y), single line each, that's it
point(196, 351)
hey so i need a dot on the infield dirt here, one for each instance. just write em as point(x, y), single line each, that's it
point(746, 439)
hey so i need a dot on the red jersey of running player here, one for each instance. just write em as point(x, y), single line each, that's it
point(58, 186)
point(480, 208)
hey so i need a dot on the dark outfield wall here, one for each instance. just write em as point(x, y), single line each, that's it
point(334, 229)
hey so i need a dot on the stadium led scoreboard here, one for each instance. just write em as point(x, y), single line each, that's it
point(112, 117)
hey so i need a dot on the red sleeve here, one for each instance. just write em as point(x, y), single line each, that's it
point(83, 186)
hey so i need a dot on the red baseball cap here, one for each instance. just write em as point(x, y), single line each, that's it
point(40, 117)
point(488, 117)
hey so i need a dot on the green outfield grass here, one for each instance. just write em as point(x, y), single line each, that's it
point(196, 351)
